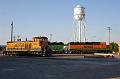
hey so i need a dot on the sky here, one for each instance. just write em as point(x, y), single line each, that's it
point(44, 17)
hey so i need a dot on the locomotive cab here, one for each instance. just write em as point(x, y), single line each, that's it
point(43, 43)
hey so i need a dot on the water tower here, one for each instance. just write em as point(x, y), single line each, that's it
point(79, 24)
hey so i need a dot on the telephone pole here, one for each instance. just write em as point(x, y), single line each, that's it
point(12, 31)
point(51, 37)
point(109, 31)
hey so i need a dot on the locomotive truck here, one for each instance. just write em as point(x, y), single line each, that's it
point(37, 46)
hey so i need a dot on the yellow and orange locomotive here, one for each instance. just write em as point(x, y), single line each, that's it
point(36, 46)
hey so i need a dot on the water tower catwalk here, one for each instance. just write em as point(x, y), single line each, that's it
point(79, 24)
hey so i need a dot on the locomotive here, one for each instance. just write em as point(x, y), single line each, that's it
point(56, 47)
point(37, 46)
point(88, 47)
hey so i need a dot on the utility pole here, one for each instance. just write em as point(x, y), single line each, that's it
point(14, 37)
point(18, 38)
point(12, 31)
point(51, 37)
point(109, 30)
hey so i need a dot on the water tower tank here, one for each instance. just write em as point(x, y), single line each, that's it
point(79, 13)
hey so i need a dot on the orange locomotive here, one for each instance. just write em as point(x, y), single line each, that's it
point(37, 46)
point(88, 47)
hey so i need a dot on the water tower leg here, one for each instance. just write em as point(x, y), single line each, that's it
point(79, 23)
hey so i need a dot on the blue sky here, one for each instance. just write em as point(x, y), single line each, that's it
point(44, 17)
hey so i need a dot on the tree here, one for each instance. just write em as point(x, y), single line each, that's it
point(114, 47)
